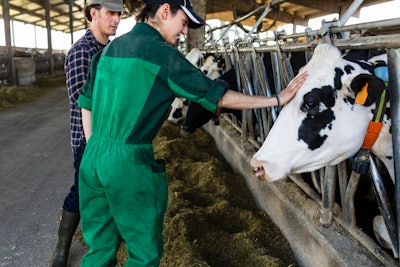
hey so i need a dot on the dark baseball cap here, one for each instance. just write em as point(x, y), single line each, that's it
point(112, 5)
point(186, 6)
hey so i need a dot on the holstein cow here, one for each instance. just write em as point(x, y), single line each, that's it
point(323, 124)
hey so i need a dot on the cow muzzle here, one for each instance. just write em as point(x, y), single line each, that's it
point(258, 169)
point(268, 171)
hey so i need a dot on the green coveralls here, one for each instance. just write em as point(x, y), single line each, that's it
point(123, 189)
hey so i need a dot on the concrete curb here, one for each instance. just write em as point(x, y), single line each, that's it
point(293, 211)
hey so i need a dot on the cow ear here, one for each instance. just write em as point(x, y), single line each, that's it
point(369, 86)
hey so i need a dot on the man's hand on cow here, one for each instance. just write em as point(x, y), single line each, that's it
point(289, 92)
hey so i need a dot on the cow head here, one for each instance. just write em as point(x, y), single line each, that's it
point(212, 67)
point(322, 125)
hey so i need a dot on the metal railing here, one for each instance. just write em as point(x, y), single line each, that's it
point(247, 59)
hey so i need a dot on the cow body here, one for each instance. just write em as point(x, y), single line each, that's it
point(322, 125)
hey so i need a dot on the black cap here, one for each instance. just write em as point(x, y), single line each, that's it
point(186, 5)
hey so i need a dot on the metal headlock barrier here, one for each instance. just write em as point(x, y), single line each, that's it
point(45, 64)
point(247, 59)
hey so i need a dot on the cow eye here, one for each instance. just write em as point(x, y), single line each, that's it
point(310, 103)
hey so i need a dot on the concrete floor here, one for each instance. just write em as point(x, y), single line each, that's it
point(36, 174)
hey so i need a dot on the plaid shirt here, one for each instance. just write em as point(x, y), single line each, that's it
point(77, 65)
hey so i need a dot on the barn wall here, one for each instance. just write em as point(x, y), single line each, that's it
point(294, 212)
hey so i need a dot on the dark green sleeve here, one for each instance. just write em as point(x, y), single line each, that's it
point(85, 98)
point(188, 81)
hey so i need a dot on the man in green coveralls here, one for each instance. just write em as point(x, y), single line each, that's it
point(123, 188)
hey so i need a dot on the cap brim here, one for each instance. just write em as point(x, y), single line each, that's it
point(114, 7)
point(195, 21)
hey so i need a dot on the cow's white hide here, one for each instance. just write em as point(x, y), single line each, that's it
point(210, 68)
point(178, 111)
point(289, 148)
point(195, 57)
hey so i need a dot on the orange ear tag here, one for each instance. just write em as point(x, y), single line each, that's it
point(362, 95)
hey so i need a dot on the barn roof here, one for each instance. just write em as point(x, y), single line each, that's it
point(294, 11)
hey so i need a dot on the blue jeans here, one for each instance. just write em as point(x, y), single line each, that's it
point(71, 202)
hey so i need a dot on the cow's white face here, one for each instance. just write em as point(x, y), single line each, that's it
point(210, 68)
point(321, 125)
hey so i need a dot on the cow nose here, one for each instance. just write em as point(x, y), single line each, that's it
point(258, 169)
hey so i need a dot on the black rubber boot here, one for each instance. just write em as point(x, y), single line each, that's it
point(68, 224)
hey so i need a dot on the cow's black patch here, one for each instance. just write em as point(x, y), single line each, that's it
point(177, 113)
point(317, 120)
point(348, 69)
point(338, 78)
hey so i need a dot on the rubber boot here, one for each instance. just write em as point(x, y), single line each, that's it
point(68, 224)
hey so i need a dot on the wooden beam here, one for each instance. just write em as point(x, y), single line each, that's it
point(326, 6)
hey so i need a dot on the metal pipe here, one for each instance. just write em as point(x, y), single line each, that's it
point(349, 216)
point(394, 81)
point(384, 205)
point(343, 179)
point(248, 15)
point(259, 21)
point(328, 196)
point(370, 42)
point(276, 70)
point(350, 11)
point(337, 29)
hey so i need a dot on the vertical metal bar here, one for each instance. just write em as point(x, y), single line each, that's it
point(71, 20)
point(384, 205)
point(343, 179)
point(394, 82)
point(276, 70)
point(328, 196)
point(49, 43)
point(349, 216)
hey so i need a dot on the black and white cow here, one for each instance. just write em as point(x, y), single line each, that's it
point(322, 125)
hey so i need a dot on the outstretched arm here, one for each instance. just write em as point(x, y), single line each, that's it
point(235, 100)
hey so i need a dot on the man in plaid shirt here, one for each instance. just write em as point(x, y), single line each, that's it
point(104, 16)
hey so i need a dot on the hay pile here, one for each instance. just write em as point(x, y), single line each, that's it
point(12, 96)
point(212, 219)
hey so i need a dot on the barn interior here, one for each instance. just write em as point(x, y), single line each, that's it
point(67, 16)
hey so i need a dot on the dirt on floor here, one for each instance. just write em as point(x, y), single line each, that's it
point(212, 218)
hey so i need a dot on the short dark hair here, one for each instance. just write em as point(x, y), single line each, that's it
point(87, 10)
point(150, 10)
